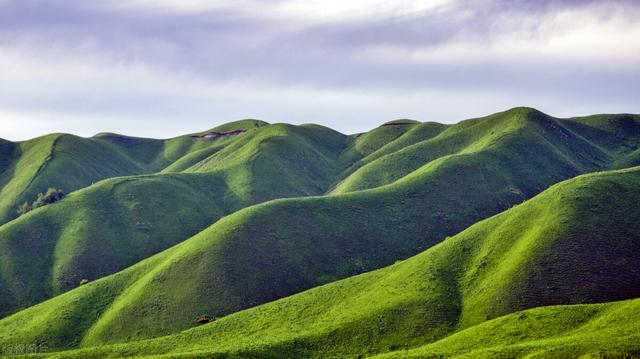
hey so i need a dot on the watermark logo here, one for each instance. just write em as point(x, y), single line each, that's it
point(22, 349)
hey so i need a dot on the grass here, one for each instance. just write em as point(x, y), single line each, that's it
point(578, 141)
point(67, 162)
point(607, 330)
point(575, 244)
point(396, 191)
point(71, 162)
point(118, 222)
point(246, 124)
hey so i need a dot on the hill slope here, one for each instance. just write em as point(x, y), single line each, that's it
point(442, 179)
point(61, 161)
point(211, 273)
point(610, 330)
point(117, 222)
point(282, 247)
point(577, 242)
point(70, 163)
point(588, 144)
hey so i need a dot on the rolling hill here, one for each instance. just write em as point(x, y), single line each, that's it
point(587, 144)
point(574, 245)
point(248, 213)
point(117, 222)
point(71, 162)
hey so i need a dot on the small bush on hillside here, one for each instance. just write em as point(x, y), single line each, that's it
point(84, 281)
point(51, 196)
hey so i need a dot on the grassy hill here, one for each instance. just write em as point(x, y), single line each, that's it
point(117, 222)
point(609, 330)
point(395, 192)
point(61, 161)
point(70, 162)
point(576, 243)
point(589, 144)
point(384, 140)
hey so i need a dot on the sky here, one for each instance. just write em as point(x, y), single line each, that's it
point(169, 67)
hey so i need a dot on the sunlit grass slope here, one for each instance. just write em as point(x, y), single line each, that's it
point(70, 162)
point(429, 181)
point(61, 161)
point(384, 140)
point(246, 125)
point(117, 222)
point(609, 330)
point(589, 143)
point(276, 249)
point(576, 243)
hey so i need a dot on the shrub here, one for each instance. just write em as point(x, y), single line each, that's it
point(84, 281)
point(51, 196)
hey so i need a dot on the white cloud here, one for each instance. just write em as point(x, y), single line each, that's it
point(84, 97)
point(174, 5)
point(161, 78)
point(296, 10)
point(572, 36)
point(332, 10)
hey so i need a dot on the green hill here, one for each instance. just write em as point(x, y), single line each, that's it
point(588, 144)
point(70, 163)
point(246, 125)
point(384, 140)
point(576, 243)
point(61, 161)
point(193, 241)
point(117, 222)
point(609, 330)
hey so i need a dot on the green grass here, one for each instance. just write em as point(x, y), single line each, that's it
point(117, 222)
point(395, 192)
point(610, 330)
point(585, 145)
point(71, 162)
point(61, 161)
point(576, 243)
point(383, 141)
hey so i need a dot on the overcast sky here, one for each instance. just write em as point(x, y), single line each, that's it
point(139, 68)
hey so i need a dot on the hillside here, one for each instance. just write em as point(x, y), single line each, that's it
point(283, 247)
point(117, 222)
point(576, 243)
point(588, 144)
point(70, 163)
point(61, 161)
point(609, 330)
point(195, 242)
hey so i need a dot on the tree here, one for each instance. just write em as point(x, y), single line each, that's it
point(51, 196)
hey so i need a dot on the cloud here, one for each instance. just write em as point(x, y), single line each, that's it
point(300, 10)
point(349, 65)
